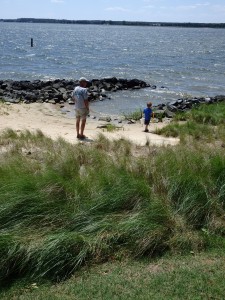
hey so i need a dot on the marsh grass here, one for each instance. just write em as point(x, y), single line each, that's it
point(64, 206)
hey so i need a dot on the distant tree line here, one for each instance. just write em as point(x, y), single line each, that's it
point(104, 22)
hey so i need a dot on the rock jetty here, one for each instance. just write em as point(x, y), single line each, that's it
point(59, 90)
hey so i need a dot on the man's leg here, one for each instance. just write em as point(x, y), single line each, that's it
point(83, 122)
point(78, 126)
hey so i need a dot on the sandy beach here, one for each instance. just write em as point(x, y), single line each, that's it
point(54, 123)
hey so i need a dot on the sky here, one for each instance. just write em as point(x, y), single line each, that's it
point(117, 10)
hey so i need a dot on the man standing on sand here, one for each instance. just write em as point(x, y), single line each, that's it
point(80, 97)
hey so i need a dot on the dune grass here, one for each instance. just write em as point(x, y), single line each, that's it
point(205, 122)
point(64, 206)
point(212, 114)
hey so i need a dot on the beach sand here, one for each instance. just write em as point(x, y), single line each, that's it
point(54, 123)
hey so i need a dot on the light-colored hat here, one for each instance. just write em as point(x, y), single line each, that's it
point(83, 79)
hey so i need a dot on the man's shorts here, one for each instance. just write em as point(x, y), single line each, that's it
point(81, 112)
point(147, 122)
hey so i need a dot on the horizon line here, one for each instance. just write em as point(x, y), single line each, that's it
point(110, 21)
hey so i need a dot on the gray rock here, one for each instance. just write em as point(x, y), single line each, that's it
point(52, 101)
point(169, 114)
point(105, 119)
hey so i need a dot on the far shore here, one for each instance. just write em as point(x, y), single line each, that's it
point(116, 23)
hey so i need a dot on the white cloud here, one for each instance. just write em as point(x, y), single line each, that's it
point(194, 6)
point(202, 4)
point(151, 1)
point(186, 7)
point(149, 6)
point(117, 8)
point(57, 1)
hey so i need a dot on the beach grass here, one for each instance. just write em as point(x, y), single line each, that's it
point(206, 113)
point(65, 208)
point(205, 122)
point(135, 115)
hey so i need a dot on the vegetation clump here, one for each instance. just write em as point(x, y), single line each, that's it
point(135, 115)
point(205, 122)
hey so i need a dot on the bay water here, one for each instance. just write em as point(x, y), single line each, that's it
point(179, 61)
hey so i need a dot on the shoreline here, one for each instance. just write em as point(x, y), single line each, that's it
point(59, 92)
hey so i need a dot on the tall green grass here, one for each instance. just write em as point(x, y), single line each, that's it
point(205, 122)
point(213, 114)
point(63, 206)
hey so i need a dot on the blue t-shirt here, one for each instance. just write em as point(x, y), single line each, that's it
point(148, 113)
point(80, 94)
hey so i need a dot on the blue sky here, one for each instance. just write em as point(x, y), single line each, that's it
point(129, 10)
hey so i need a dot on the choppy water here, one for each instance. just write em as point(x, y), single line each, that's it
point(184, 60)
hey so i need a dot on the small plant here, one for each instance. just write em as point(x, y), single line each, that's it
point(159, 116)
point(111, 127)
point(136, 115)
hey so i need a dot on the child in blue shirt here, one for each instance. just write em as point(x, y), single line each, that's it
point(147, 114)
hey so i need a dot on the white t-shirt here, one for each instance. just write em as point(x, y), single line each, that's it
point(80, 94)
